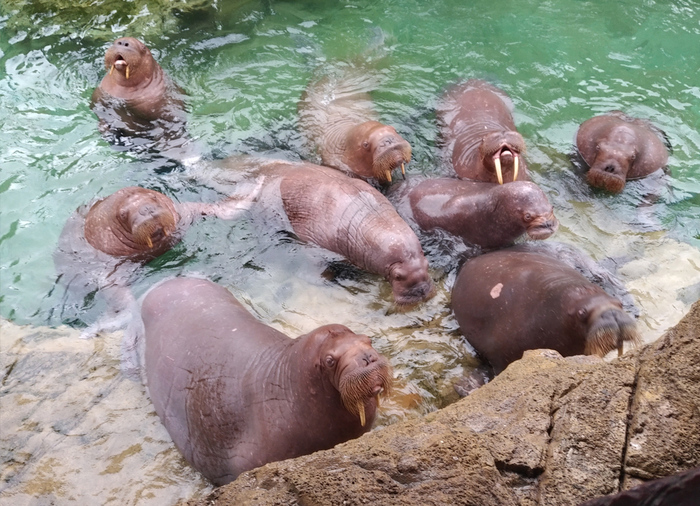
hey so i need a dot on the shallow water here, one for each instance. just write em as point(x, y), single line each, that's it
point(244, 67)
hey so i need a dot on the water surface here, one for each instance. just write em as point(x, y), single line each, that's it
point(244, 66)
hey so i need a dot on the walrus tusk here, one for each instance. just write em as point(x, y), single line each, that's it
point(515, 167)
point(149, 242)
point(619, 350)
point(403, 171)
point(361, 409)
point(499, 175)
point(376, 398)
point(111, 69)
point(388, 177)
point(127, 72)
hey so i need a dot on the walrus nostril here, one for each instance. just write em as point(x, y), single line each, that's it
point(609, 169)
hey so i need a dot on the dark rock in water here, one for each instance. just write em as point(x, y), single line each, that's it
point(678, 490)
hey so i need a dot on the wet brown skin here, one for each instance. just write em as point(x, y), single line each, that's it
point(482, 214)
point(234, 393)
point(104, 243)
point(477, 129)
point(618, 148)
point(511, 300)
point(339, 121)
point(136, 97)
point(342, 214)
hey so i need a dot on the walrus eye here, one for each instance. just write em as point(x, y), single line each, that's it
point(365, 145)
point(582, 313)
point(527, 217)
point(330, 361)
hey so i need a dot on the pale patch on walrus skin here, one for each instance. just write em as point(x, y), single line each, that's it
point(496, 291)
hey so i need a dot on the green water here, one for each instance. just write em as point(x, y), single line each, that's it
point(244, 66)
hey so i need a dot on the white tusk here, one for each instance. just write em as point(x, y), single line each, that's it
point(515, 168)
point(497, 161)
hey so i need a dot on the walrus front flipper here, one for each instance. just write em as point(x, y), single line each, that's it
point(121, 304)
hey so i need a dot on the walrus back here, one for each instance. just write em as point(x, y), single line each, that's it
point(196, 335)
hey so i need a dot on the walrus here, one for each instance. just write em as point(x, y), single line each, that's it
point(509, 301)
point(234, 393)
point(342, 214)
point(478, 133)
point(137, 103)
point(103, 243)
point(337, 116)
point(617, 148)
point(481, 214)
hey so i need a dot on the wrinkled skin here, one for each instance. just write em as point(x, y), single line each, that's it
point(617, 148)
point(481, 214)
point(146, 104)
point(235, 394)
point(479, 135)
point(103, 243)
point(344, 215)
point(509, 301)
point(339, 121)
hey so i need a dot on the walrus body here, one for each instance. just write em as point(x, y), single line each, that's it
point(479, 135)
point(481, 214)
point(235, 393)
point(345, 215)
point(338, 119)
point(509, 301)
point(103, 243)
point(617, 147)
point(137, 99)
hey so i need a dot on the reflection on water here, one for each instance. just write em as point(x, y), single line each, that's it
point(73, 429)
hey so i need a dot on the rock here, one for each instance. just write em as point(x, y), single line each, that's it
point(547, 430)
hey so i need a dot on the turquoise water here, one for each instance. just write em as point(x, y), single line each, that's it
point(244, 66)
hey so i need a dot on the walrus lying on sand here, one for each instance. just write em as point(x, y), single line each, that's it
point(235, 394)
point(103, 243)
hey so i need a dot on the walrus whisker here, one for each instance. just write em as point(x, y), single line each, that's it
point(499, 175)
point(515, 167)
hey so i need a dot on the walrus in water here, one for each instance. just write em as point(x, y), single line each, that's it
point(137, 100)
point(481, 214)
point(479, 135)
point(103, 243)
point(511, 300)
point(337, 116)
point(345, 215)
point(617, 148)
point(234, 393)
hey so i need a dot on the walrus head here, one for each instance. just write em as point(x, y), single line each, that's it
point(608, 325)
point(129, 61)
point(501, 153)
point(375, 150)
point(357, 371)
point(410, 281)
point(132, 221)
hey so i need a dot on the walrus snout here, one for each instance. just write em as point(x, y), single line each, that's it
point(542, 227)
point(608, 175)
point(609, 328)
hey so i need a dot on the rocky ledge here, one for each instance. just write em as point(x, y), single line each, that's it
point(547, 431)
